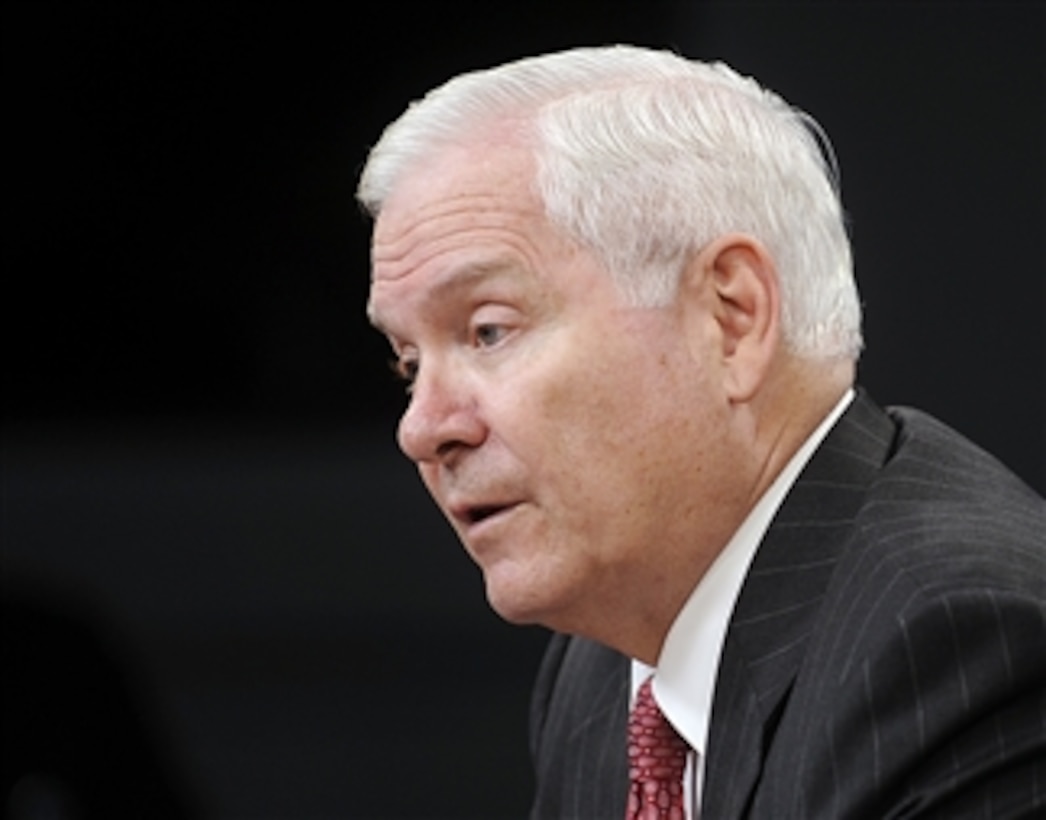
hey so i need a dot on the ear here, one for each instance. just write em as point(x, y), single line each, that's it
point(739, 292)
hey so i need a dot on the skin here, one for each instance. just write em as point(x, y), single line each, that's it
point(593, 457)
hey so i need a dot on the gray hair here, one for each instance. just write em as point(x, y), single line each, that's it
point(644, 157)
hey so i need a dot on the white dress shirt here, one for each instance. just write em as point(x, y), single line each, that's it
point(684, 678)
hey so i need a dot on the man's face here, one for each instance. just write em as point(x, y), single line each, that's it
point(566, 436)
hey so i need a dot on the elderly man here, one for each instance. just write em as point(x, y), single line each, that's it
point(619, 286)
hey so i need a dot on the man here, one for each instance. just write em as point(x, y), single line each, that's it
point(619, 286)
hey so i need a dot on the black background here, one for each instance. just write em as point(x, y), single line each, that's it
point(198, 456)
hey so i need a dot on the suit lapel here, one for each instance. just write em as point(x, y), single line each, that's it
point(579, 731)
point(780, 597)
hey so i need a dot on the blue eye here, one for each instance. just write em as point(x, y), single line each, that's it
point(488, 335)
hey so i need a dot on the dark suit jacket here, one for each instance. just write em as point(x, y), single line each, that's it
point(886, 656)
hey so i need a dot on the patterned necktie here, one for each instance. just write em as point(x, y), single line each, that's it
point(656, 760)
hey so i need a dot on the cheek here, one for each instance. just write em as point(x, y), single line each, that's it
point(578, 407)
point(600, 428)
point(626, 392)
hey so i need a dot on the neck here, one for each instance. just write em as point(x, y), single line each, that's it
point(795, 402)
point(765, 436)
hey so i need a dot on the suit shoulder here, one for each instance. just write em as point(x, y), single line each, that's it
point(931, 461)
point(944, 506)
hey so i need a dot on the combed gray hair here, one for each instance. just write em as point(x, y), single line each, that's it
point(645, 157)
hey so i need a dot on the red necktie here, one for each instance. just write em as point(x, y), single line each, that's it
point(656, 760)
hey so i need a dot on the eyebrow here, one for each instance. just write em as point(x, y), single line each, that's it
point(459, 279)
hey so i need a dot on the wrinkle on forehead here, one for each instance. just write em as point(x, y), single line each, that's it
point(399, 248)
point(480, 184)
point(459, 278)
point(470, 210)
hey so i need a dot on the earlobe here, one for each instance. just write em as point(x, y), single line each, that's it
point(741, 295)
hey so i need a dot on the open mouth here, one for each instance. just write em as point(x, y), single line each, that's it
point(475, 515)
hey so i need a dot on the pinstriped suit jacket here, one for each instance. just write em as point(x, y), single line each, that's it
point(886, 657)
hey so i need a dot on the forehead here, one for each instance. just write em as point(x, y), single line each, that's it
point(482, 185)
point(467, 215)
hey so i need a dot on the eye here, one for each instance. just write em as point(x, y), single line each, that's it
point(488, 335)
point(406, 371)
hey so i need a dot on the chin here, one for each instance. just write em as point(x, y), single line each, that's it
point(520, 599)
point(513, 610)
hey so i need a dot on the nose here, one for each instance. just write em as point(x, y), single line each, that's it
point(442, 419)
